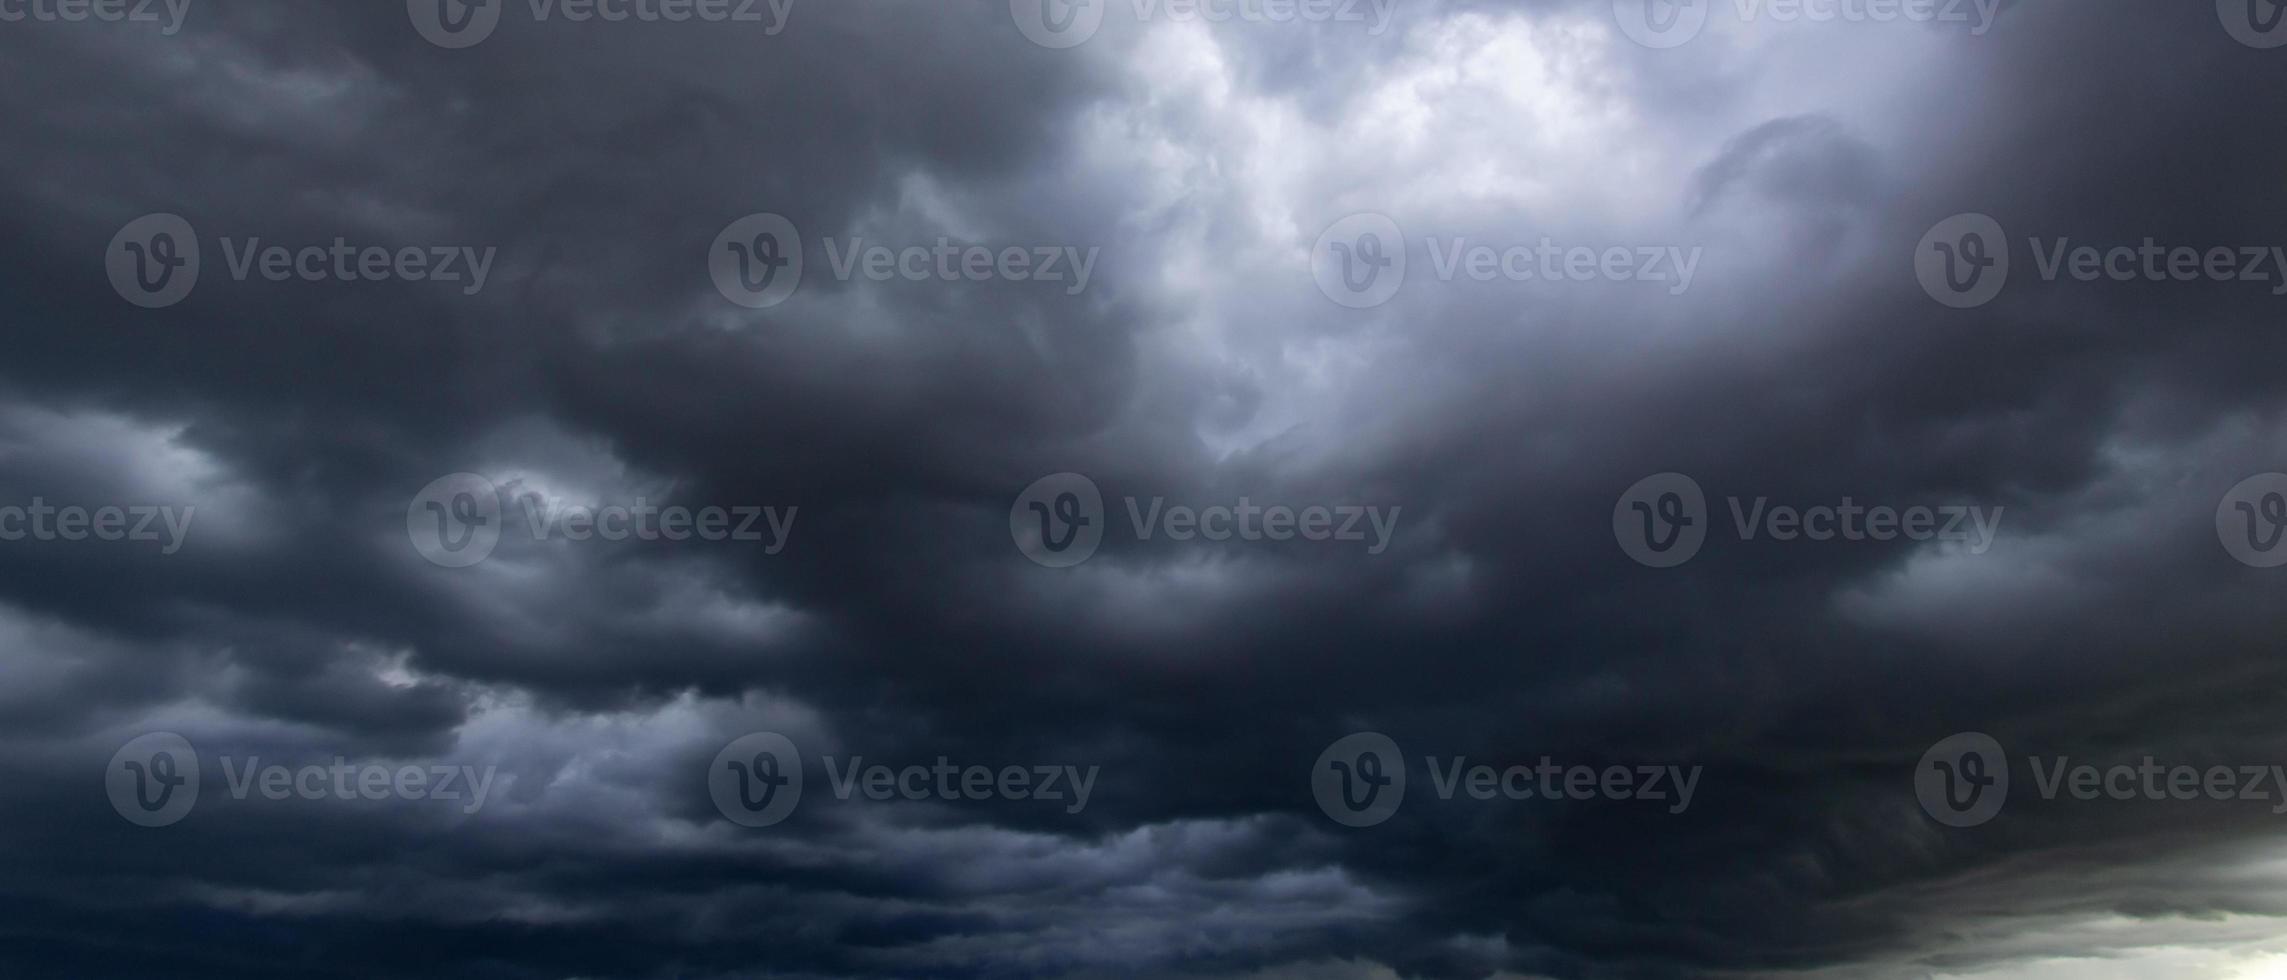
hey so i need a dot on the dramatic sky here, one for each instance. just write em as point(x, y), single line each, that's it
point(1206, 175)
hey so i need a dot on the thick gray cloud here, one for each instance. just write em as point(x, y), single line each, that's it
point(1493, 420)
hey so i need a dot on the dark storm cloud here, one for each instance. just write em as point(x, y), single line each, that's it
point(596, 680)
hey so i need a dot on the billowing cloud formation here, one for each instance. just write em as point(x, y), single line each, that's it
point(708, 505)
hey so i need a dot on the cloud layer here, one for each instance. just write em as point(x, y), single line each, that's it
point(881, 427)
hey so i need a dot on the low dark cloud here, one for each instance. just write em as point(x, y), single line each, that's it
point(888, 425)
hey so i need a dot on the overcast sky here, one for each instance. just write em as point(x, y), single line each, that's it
point(1348, 489)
